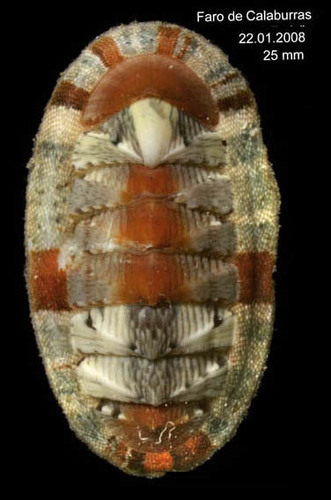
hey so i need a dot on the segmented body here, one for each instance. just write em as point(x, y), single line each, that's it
point(151, 234)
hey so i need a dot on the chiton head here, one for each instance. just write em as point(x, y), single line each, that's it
point(151, 235)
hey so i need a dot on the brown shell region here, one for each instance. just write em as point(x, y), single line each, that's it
point(150, 76)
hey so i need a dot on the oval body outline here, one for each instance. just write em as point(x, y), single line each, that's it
point(183, 440)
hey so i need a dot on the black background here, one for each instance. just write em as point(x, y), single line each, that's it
point(269, 449)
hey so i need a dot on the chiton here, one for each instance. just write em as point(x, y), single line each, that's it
point(151, 236)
